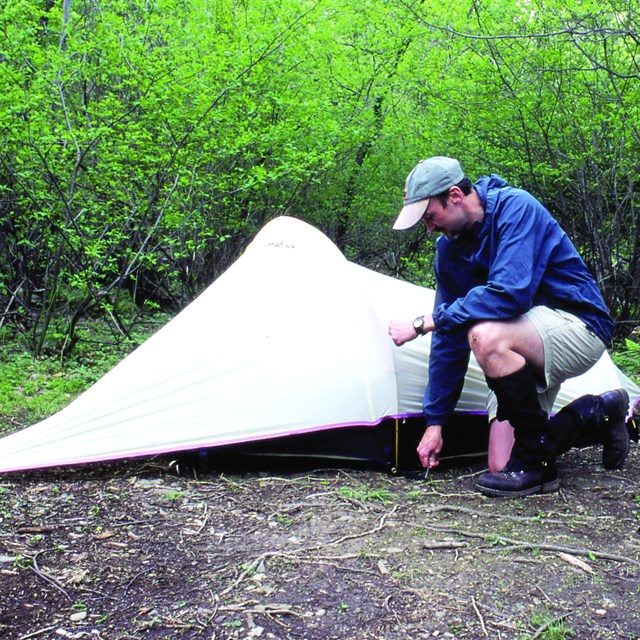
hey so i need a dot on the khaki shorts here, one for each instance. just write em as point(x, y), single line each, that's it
point(570, 349)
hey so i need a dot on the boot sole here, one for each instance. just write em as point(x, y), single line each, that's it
point(617, 464)
point(545, 487)
point(626, 436)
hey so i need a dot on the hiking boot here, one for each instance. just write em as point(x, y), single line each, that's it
point(514, 481)
point(611, 415)
point(603, 419)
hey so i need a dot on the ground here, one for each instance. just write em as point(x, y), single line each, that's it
point(133, 551)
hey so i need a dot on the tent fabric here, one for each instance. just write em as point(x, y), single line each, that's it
point(291, 339)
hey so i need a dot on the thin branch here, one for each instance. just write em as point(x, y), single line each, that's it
point(523, 544)
point(571, 31)
point(479, 615)
point(47, 578)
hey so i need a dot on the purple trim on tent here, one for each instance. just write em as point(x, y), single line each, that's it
point(219, 443)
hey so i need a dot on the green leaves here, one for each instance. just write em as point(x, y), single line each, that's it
point(143, 144)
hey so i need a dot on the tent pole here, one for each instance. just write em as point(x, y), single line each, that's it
point(397, 451)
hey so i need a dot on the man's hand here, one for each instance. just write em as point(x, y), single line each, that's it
point(402, 331)
point(430, 446)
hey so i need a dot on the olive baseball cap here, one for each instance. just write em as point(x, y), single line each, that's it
point(427, 179)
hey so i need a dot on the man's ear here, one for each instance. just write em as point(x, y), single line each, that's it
point(455, 195)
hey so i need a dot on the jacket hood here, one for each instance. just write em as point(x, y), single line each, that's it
point(487, 183)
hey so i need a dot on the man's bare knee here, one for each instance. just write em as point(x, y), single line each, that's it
point(492, 346)
point(484, 339)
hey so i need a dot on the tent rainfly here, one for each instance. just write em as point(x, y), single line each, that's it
point(291, 339)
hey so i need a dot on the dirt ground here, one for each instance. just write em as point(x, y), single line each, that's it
point(132, 551)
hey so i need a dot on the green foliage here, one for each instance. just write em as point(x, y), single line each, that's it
point(550, 627)
point(544, 94)
point(627, 356)
point(33, 388)
point(144, 143)
point(381, 495)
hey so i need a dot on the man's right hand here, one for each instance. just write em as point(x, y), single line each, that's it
point(430, 446)
point(402, 331)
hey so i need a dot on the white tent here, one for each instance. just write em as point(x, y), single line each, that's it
point(291, 339)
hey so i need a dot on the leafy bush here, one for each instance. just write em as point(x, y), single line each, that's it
point(627, 356)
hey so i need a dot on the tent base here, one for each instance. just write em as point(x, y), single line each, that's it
point(389, 446)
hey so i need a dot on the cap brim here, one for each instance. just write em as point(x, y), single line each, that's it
point(410, 215)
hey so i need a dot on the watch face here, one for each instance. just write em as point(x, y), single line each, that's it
point(417, 324)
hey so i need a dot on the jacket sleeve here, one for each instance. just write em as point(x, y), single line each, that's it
point(448, 363)
point(517, 258)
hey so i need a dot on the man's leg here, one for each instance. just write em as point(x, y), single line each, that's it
point(602, 419)
point(512, 354)
point(531, 466)
point(502, 348)
point(501, 441)
point(501, 436)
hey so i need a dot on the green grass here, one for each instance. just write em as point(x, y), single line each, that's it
point(550, 627)
point(366, 494)
point(32, 389)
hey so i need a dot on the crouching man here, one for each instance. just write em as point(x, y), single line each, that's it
point(512, 289)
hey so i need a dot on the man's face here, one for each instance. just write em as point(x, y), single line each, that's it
point(449, 220)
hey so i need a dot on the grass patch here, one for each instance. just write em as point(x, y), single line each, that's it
point(32, 389)
point(549, 627)
point(365, 494)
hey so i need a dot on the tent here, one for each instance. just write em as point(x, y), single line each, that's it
point(291, 339)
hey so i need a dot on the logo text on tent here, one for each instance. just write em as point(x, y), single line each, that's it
point(282, 244)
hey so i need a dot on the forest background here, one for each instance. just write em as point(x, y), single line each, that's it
point(145, 142)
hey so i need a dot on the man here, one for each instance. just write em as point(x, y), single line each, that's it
point(512, 289)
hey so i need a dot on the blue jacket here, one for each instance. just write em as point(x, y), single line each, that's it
point(516, 258)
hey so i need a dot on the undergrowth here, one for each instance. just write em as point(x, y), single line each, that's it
point(627, 356)
point(32, 389)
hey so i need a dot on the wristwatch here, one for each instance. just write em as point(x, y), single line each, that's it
point(418, 325)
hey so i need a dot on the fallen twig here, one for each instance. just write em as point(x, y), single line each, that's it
point(33, 634)
point(444, 544)
point(253, 606)
point(41, 529)
point(491, 514)
point(523, 544)
point(380, 526)
point(480, 618)
point(47, 578)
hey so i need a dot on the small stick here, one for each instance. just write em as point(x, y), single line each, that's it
point(475, 608)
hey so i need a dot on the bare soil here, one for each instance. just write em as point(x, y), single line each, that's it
point(132, 551)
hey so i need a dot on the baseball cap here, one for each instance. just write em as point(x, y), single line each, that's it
point(427, 179)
